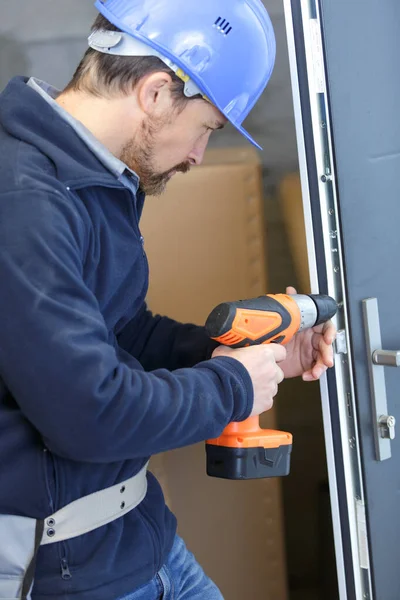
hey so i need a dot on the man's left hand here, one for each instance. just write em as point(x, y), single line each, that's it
point(310, 352)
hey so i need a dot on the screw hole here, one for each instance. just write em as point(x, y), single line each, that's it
point(122, 505)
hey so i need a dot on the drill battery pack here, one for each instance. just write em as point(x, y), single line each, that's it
point(256, 454)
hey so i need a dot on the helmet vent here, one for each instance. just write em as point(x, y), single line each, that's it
point(223, 25)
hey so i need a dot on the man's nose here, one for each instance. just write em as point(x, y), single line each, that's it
point(196, 156)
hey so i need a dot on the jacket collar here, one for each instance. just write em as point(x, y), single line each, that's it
point(26, 115)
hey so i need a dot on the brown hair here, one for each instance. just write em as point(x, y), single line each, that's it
point(105, 75)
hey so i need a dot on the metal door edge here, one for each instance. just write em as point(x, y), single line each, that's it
point(325, 258)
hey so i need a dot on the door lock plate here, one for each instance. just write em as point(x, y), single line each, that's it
point(378, 359)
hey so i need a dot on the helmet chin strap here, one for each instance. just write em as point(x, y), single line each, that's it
point(122, 44)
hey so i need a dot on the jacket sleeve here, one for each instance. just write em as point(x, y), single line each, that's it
point(57, 362)
point(159, 342)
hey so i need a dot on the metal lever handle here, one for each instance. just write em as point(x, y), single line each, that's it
point(386, 358)
point(384, 424)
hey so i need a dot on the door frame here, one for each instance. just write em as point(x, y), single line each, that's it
point(324, 246)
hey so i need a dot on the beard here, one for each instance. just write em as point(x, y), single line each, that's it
point(139, 155)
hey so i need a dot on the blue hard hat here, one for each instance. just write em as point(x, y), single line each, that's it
point(226, 47)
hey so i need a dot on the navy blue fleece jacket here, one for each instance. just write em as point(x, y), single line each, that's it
point(91, 384)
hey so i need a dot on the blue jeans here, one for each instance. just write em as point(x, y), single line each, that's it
point(181, 578)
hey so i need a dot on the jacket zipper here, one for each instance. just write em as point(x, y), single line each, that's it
point(65, 572)
point(135, 219)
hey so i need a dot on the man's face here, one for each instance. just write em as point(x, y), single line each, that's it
point(171, 143)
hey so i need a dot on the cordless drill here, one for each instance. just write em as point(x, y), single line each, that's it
point(244, 450)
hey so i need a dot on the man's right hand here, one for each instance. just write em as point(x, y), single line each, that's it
point(261, 364)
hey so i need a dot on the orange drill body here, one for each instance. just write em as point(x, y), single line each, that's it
point(248, 434)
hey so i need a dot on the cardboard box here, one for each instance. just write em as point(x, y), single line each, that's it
point(205, 243)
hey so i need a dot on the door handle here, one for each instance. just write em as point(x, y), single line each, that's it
point(386, 358)
point(378, 359)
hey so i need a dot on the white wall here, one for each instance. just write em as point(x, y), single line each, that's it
point(45, 38)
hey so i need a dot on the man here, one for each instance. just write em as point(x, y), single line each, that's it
point(91, 383)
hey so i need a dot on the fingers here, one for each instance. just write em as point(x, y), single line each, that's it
point(329, 332)
point(321, 365)
point(325, 353)
point(278, 351)
point(323, 357)
point(318, 370)
point(308, 376)
point(291, 290)
point(315, 373)
point(221, 351)
point(322, 350)
point(280, 375)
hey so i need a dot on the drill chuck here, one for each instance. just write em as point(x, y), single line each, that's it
point(326, 307)
point(314, 309)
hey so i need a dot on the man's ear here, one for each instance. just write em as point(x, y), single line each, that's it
point(154, 93)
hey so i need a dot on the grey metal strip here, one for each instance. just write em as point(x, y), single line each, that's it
point(95, 510)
